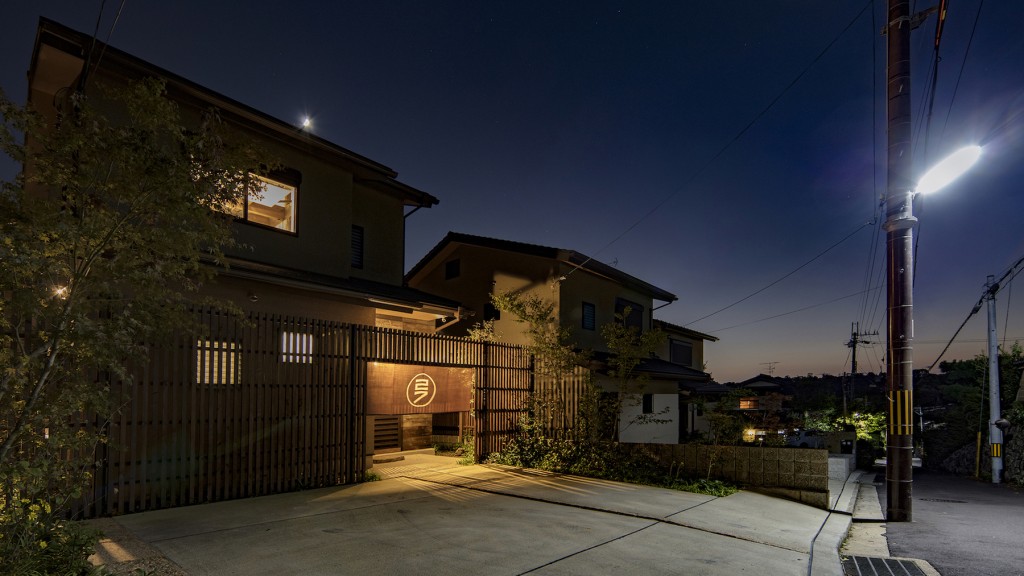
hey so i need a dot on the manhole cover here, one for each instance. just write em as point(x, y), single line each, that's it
point(943, 500)
point(871, 566)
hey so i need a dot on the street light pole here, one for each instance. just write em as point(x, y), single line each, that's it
point(899, 225)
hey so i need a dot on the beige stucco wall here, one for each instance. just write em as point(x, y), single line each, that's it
point(580, 286)
point(276, 299)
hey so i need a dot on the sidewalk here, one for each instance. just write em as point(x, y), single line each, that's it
point(431, 516)
point(866, 549)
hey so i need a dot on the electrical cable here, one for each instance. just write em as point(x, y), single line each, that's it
point(783, 277)
point(963, 63)
point(992, 290)
point(721, 151)
point(805, 308)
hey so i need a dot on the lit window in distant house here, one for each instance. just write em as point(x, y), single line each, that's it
point(750, 403)
point(452, 269)
point(297, 347)
point(635, 317)
point(589, 316)
point(680, 352)
point(273, 206)
point(217, 362)
point(358, 235)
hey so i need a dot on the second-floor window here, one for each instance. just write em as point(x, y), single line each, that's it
point(680, 352)
point(589, 316)
point(452, 269)
point(358, 236)
point(273, 206)
point(635, 315)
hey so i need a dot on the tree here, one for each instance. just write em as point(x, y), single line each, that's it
point(628, 348)
point(105, 239)
point(961, 398)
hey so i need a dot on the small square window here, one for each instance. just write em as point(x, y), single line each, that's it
point(589, 316)
point(297, 347)
point(218, 362)
point(648, 404)
point(680, 352)
point(452, 269)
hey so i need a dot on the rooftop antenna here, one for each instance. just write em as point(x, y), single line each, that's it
point(771, 367)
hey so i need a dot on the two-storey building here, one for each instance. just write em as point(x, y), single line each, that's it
point(586, 294)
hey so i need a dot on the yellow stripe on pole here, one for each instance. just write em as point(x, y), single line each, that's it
point(997, 450)
point(901, 410)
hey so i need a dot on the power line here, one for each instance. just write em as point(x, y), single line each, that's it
point(994, 289)
point(805, 308)
point(787, 275)
point(963, 64)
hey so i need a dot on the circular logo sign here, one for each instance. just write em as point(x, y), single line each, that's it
point(421, 390)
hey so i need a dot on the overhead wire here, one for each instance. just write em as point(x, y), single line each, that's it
point(803, 309)
point(963, 64)
point(783, 277)
point(1005, 279)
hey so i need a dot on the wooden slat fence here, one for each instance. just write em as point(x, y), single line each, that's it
point(267, 404)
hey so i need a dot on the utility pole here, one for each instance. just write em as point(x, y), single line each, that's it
point(899, 225)
point(995, 434)
point(855, 339)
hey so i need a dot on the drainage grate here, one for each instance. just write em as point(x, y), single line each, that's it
point(943, 500)
point(871, 566)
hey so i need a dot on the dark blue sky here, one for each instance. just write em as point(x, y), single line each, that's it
point(600, 127)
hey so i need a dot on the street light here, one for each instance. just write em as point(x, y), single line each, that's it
point(949, 169)
point(900, 297)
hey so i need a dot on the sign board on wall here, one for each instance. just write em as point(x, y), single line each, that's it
point(414, 389)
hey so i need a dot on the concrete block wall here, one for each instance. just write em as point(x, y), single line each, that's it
point(798, 473)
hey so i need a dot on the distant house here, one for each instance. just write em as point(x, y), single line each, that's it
point(586, 294)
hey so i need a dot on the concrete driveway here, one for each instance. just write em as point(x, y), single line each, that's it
point(431, 516)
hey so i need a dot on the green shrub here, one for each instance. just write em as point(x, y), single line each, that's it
point(35, 541)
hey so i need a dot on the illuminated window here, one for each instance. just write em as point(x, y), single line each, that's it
point(749, 403)
point(218, 362)
point(273, 206)
point(297, 347)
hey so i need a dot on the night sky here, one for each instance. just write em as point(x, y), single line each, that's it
point(659, 137)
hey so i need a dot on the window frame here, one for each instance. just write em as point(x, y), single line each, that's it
point(592, 316)
point(452, 269)
point(634, 308)
point(358, 259)
point(285, 179)
point(218, 362)
point(297, 347)
point(672, 344)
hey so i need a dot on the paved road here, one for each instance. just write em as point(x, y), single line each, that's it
point(480, 520)
point(963, 527)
